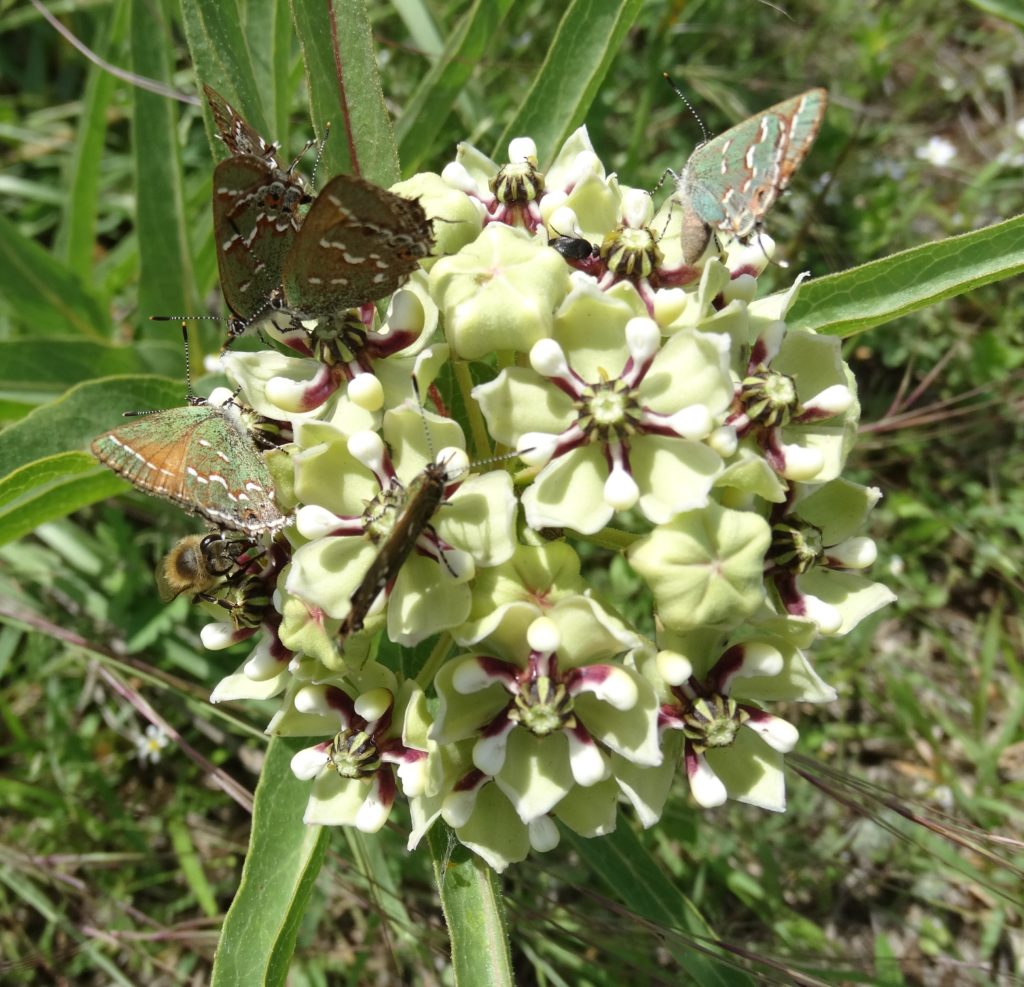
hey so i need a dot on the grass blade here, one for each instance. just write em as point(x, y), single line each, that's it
point(587, 39)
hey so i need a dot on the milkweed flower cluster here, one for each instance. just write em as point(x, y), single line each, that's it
point(665, 408)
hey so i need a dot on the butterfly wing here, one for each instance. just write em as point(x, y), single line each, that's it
point(201, 460)
point(732, 181)
point(358, 242)
point(255, 221)
point(238, 136)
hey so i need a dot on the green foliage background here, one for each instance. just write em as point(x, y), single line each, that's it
point(116, 871)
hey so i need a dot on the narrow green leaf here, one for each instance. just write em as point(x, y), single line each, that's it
point(636, 879)
point(268, 31)
point(849, 302)
point(221, 57)
point(1008, 10)
point(191, 865)
point(52, 488)
point(165, 261)
point(344, 88)
point(76, 235)
point(587, 40)
point(444, 83)
point(71, 422)
point(71, 360)
point(284, 858)
point(474, 912)
point(40, 293)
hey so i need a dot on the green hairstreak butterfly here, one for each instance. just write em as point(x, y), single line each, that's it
point(731, 181)
point(203, 458)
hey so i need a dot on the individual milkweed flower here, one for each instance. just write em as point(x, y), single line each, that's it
point(544, 713)
point(714, 699)
point(498, 293)
point(373, 362)
point(814, 559)
point(795, 398)
point(705, 567)
point(607, 419)
point(506, 194)
point(356, 773)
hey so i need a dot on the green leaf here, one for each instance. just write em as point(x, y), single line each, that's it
point(1008, 10)
point(51, 488)
point(70, 423)
point(41, 293)
point(76, 236)
point(344, 88)
point(849, 302)
point(588, 38)
point(221, 57)
point(639, 881)
point(284, 858)
point(70, 360)
point(165, 262)
point(268, 30)
point(445, 82)
point(474, 912)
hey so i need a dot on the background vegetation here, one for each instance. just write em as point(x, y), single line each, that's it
point(115, 869)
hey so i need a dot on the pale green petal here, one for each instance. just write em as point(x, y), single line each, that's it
point(751, 771)
point(536, 775)
point(480, 518)
point(853, 595)
point(425, 601)
point(326, 474)
point(494, 831)
point(589, 633)
point(238, 686)
point(335, 801)
point(838, 509)
point(633, 733)
point(590, 811)
point(698, 358)
point(569, 493)
point(459, 716)
point(590, 325)
point(647, 788)
point(459, 221)
point(748, 473)
point(325, 573)
point(519, 400)
point(673, 474)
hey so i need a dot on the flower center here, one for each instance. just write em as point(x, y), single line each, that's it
point(712, 721)
point(768, 398)
point(543, 707)
point(608, 410)
point(354, 754)
point(338, 339)
point(517, 183)
point(795, 547)
point(631, 253)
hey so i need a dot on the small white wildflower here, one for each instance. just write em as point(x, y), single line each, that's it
point(939, 151)
point(149, 745)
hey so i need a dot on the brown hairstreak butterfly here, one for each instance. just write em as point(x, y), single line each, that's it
point(255, 215)
point(202, 457)
point(730, 182)
point(358, 242)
